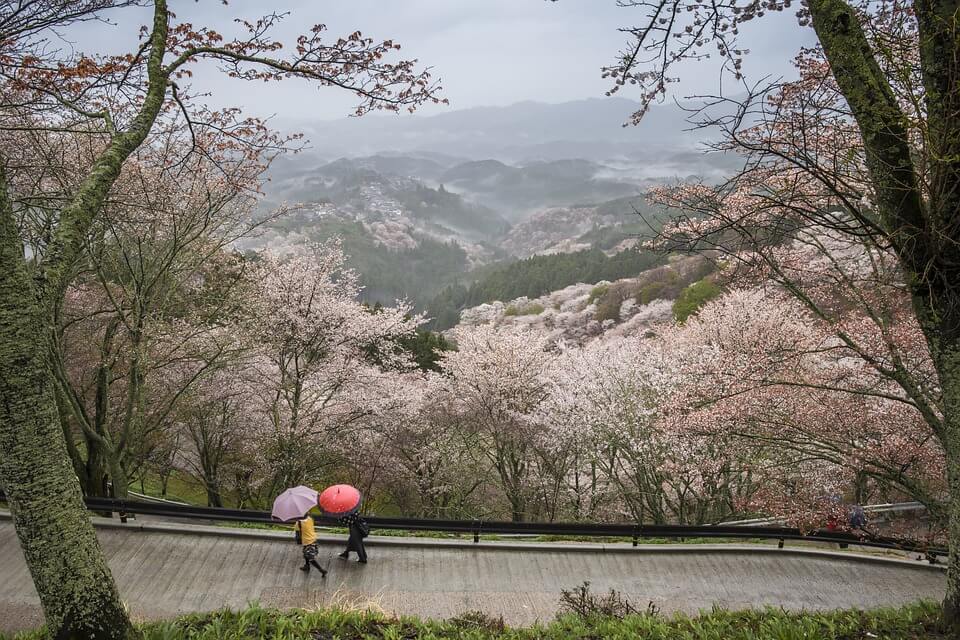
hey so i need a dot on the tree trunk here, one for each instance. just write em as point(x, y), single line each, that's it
point(516, 512)
point(947, 358)
point(951, 601)
point(119, 479)
point(78, 594)
point(213, 495)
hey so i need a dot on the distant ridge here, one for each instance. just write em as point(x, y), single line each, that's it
point(591, 129)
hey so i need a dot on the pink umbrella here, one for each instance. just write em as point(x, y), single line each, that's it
point(294, 503)
point(339, 500)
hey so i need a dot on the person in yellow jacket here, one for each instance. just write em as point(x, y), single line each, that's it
point(306, 536)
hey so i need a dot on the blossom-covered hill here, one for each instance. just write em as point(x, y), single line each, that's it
point(581, 312)
point(612, 226)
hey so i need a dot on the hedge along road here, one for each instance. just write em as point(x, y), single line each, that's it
point(165, 570)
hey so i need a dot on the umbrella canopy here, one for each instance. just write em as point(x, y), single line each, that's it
point(294, 503)
point(339, 500)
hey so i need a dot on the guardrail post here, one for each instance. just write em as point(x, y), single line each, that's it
point(636, 534)
point(780, 543)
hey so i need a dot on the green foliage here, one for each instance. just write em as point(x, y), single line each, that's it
point(597, 292)
point(426, 348)
point(608, 308)
point(534, 309)
point(536, 276)
point(450, 210)
point(637, 219)
point(667, 283)
point(653, 291)
point(694, 297)
point(181, 487)
point(622, 622)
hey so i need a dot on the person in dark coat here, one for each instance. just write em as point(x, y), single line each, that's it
point(358, 531)
point(858, 517)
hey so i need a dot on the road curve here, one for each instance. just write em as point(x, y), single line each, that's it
point(166, 570)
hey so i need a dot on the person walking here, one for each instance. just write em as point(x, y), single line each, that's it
point(858, 517)
point(359, 529)
point(305, 534)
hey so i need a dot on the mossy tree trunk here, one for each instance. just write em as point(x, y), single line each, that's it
point(951, 603)
point(76, 589)
point(942, 328)
point(78, 594)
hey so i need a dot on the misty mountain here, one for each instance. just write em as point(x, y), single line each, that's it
point(592, 129)
point(517, 190)
point(424, 203)
point(383, 189)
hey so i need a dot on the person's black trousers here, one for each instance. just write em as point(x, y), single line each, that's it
point(355, 543)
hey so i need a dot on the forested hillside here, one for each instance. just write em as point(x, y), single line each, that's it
point(415, 267)
point(535, 276)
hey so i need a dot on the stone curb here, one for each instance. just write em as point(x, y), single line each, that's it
point(535, 547)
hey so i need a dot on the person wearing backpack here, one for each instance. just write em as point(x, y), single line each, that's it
point(359, 529)
point(305, 534)
point(858, 517)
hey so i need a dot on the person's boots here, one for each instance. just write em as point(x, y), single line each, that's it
point(305, 567)
point(344, 555)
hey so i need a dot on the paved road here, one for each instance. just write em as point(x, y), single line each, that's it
point(165, 570)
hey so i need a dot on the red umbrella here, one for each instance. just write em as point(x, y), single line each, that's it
point(339, 500)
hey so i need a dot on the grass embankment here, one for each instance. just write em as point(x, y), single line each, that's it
point(908, 623)
point(180, 488)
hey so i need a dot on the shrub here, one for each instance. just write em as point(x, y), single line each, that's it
point(608, 308)
point(597, 292)
point(650, 292)
point(529, 310)
point(478, 620)
point(693, 298)
point(583, 604)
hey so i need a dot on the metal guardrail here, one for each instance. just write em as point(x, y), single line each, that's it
point(476, 528)
point(872, 509)
point(145, 498)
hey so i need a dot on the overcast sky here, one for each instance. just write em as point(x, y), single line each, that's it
point(487, 52)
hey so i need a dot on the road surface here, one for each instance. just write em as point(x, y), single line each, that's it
point(166, 570)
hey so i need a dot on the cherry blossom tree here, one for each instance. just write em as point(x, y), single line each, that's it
point(165, 284)
point(865, 144)
point(820, 421)
point(320, 357)
point(497, 382)
point(220, 433)
point(607, 406)
point(429, 467)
